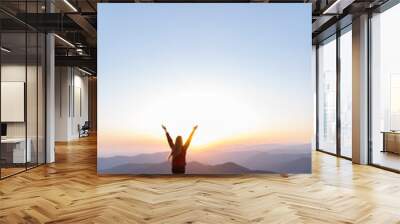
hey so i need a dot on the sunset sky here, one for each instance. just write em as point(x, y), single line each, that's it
point(242, 72)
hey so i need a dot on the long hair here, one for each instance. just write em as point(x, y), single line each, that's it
point(178, 147)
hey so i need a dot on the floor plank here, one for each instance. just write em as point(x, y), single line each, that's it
point(70, 191)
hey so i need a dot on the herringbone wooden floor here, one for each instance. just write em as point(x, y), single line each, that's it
point(70, 191)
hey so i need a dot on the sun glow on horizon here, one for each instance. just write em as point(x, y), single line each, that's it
point(135, 143)
point(224, 116)
point(219, 112)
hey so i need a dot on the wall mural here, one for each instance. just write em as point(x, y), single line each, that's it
point(204, 88)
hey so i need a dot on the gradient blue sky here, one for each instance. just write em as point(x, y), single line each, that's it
point(246, 67)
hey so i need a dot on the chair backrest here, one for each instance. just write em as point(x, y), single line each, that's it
point(86, 124)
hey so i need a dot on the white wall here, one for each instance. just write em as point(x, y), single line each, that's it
point(71, 102)
point(12, 73)
point(62, 81)
point(9, 73)
point(80, 110)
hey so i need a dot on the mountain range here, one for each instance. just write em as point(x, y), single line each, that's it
point(256, 158)
point(191, 168)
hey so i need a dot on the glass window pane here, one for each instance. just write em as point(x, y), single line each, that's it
point(346, 94)
point(314, 82)
point(32, 95)
point(22, 90)
point(41, 98)
point(327, 96)
point(386, 89)
point(13, 86)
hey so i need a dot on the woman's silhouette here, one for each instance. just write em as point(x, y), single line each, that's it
point(178, 151)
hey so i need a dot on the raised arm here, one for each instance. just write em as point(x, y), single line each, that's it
point(170, 142)
point(187, 143)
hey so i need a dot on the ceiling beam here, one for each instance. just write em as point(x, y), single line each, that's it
point(337, 6)
point(78, 61)
point(84, 24)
